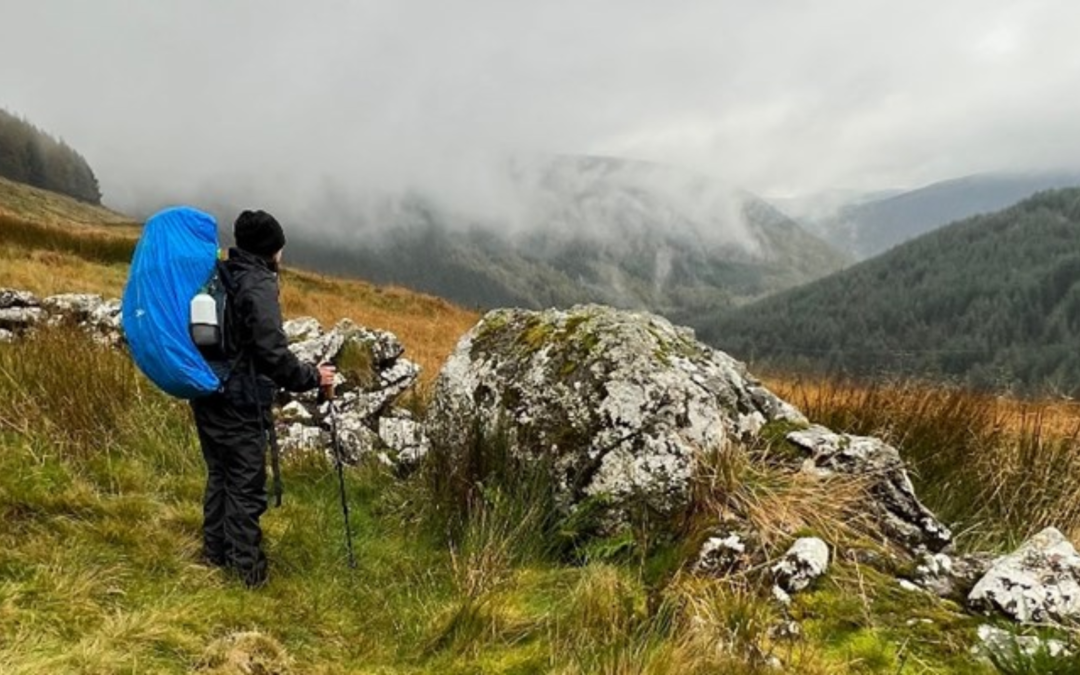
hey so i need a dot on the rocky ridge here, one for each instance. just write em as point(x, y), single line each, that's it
point(373, 374)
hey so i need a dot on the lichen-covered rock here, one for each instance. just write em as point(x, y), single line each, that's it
point(302, 329)
point(1040, 581)
point(71, 307)
point(948, 576)
point(298, 437)
point(405, 437)
point(805, 561)
point(722, 554)
point(10, 297)
point(295, 411)
point(1004, 647)
point(371, 376)
point(19, 319)
point(620, 404)
point(356, 439)
point(900, 511)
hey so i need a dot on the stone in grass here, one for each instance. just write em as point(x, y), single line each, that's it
point(805, 561)
point(10, 297)
point(894, 500)
point(721, 554)
point(1001, 646)
point(245, 653)
point(948, 576)
point(1038, 582)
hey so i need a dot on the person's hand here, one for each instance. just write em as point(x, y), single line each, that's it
point(326, 375)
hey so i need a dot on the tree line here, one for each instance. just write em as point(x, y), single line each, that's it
point(29, 155)
point(992, 301)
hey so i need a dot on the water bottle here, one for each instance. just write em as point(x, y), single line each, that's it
point(205, 331)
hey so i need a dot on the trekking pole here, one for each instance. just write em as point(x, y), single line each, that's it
point(339, 462)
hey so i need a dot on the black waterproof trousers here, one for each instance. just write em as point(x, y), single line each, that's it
point(234, 446)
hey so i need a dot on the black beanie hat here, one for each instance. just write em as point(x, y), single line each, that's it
point(258, 232)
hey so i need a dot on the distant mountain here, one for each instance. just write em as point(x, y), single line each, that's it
point(581, 229)
point(866, 228)
point(993, 300)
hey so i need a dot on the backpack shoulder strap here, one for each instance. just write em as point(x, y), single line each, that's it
point(228, 282)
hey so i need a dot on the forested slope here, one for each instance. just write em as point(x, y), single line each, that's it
point(993, 301)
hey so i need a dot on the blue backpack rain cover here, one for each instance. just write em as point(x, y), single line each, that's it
point(176, 255)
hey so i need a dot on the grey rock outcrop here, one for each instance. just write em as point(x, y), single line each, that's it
point(372, 375)
point(10, 298)
point(619, 404)
point(1038, 582)
point(804, 562)
point(21, 312)
point(899, 510)
point(401, 432)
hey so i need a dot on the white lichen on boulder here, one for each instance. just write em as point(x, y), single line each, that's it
point(620, 404)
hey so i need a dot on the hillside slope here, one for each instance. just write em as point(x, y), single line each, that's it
point(993, 300)
point(867, 229)
point(53, 244)
point(100, 497)
point(584, 229)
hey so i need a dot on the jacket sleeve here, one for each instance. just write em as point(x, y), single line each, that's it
point(270, 347)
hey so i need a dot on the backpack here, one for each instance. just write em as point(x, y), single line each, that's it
point(176, 258)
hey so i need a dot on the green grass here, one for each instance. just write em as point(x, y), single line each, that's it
point(100, 491)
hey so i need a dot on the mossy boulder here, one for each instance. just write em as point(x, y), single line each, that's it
point(618, 404)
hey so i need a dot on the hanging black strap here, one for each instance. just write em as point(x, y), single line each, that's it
point(275, 450)
point(275, 464)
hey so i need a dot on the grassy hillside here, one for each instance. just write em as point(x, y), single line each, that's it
point(992, 301)
point(50, 208)
point(100, 496)
point(53, 244)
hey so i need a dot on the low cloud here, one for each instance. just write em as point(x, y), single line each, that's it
point(322, 107)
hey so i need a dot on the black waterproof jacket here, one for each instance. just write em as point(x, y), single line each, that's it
point(254, 328)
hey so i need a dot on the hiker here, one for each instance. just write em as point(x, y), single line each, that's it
point(233, 424)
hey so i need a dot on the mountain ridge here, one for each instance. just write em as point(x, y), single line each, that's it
point(868, 228)
point(993, 301)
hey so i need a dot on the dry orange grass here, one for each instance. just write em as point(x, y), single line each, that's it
point(429, 327)
point(1053, 417)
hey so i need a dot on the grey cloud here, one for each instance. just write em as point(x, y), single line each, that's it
point(277, 100)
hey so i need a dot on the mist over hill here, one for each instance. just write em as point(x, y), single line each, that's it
point(584, 229)
point(866, 227)
point(992, 300)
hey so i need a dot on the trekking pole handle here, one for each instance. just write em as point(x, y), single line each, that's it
point(327, 388)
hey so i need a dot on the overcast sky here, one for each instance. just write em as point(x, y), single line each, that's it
point(778, 96)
